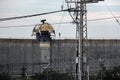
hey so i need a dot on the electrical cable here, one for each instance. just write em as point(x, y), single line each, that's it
point(112, 13)
point(31, 25)
point(16, 26)
point(106, 18)
point(27, 16)
point(61, 17)
point(70, 13)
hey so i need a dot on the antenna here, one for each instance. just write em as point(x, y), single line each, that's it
point(43, 21)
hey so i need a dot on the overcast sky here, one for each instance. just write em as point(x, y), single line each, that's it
point(102, 29)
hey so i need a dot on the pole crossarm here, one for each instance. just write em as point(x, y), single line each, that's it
point(83, 1)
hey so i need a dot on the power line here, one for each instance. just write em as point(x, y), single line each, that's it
point(31, 25)
point(61, 20)
point(16, 26)
point(112, 13)
point(105, 18)
point(27, 16)
point(70, 12)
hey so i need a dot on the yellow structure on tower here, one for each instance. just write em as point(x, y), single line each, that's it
point(43, 31)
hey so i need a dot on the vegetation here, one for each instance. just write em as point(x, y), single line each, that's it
point(107, 74)
point(52, 75)
point(4, 76)
point(48, 74)
point(112, 74)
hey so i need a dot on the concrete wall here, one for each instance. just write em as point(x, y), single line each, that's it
point(60, 55)
point(103, 52)
point(15, 54)
point(63, 55)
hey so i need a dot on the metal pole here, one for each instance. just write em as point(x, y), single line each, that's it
point(79, 54)
point(88, 72)
point(81, 19)
point(80, 13)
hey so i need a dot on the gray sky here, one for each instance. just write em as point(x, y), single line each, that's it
point(96, 29)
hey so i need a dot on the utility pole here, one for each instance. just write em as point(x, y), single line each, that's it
point(78, 12)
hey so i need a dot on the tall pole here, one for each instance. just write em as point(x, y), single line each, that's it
point(78, 11)
point(81, 24)
point(81, 19)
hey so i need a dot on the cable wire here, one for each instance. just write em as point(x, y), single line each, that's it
point(27, 16)
point(69, 7)
point(63, 14)
point(105, 18)
point(70, 22)
point(112, 13)
point(32, 25)
point(16, 26)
